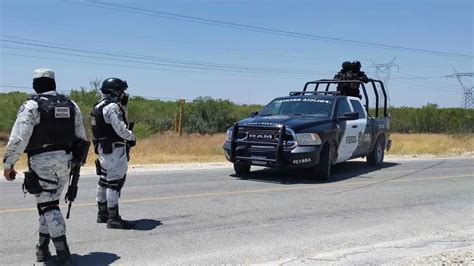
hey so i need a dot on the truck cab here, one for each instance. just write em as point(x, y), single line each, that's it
point(312, 129)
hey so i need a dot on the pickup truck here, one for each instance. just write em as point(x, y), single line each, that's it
point(312, 129)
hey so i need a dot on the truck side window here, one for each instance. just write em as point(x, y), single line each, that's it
point(358, 108)
point(343, 107)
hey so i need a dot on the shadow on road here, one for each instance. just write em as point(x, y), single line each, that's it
point(146, 224)
point(290, 176)
point(93, 258)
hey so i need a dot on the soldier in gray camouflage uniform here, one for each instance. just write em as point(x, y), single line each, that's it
point(45, 128)
point(112, 141)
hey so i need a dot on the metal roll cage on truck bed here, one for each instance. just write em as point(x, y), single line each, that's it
point(373, 82)
point(271, 141)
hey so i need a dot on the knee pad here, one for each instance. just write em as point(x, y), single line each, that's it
point(117, 184)
point(103, 182)
point(113, 184)
point(48, 206)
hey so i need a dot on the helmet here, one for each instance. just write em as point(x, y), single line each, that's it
point(346, 65)
point(113, 86)
point(356, 65)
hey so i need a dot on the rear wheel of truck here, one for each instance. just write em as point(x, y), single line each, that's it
point(376, 156)
point(323, 169)
point(241, 169)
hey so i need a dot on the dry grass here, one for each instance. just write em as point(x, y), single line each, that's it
point(432, 144)
point(170, 148)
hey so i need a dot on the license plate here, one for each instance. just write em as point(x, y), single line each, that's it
point(259, 163)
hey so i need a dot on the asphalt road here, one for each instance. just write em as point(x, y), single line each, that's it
point(405, 210)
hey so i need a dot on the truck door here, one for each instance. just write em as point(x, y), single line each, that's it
point(364, 129)
point(348, 132)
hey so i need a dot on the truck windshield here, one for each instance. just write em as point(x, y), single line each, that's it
point(299, 106)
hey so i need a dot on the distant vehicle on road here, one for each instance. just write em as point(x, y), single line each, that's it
point(312, 129)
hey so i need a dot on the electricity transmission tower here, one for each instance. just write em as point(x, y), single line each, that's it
point(467, 101)
point(383, 72)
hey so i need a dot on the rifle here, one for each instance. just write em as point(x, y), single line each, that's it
point(79, 157)
point(127, 147)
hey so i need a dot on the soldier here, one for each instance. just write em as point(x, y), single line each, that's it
point(46, 127)
point(356, 74)
point(112, 139)
point(344, 74)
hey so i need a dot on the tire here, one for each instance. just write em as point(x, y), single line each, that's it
point(241, 169)
point(376, 156)
point(323, 169)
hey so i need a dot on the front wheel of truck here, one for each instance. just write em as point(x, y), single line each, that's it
point(322, 171)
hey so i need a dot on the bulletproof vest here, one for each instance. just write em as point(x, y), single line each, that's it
point(102, 131)
point(56, 130)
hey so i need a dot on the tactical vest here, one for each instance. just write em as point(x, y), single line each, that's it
point(102, 131)
point(56, 130)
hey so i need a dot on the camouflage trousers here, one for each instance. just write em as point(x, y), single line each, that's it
point(54, 168)
point(114, 167)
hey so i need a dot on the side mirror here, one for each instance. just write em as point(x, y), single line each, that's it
point(348, 116)
point(254, 114)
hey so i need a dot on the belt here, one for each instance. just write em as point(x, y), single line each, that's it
point(118, 144)
point(50, 148)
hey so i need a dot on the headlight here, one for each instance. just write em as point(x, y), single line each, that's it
point(307, 139)
point(229, 135)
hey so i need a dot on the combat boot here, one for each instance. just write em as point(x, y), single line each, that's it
point(63, 257)
point(42, 249)
point(115, 221)
point(103, 214)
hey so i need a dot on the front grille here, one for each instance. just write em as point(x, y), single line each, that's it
point(265, 136)
point(260, 143)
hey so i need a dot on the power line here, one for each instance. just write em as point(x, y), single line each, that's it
point(266, 30)
point(419, 77)
point(161, 61)
point(178, 43)
point(421, 85)
point(427, 80)
point(150, 68)
point(74, 90)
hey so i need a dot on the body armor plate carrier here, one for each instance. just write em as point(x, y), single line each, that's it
point(56, 130)
point(102, 132)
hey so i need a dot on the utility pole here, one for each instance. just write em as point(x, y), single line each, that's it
point(467, 101)
point(181, 104)
point(383, 72)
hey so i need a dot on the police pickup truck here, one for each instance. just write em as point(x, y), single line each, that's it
point(312, 129)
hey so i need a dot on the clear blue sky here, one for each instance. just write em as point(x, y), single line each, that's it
point(258, 66)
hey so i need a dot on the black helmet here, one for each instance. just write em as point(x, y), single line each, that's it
point(113, 86)
point(346, 65)
point(356, 65)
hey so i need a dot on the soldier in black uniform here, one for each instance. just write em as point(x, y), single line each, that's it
point(344, 74)
point(353, 72)
point(356, 74)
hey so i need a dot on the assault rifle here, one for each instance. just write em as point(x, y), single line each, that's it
point(128, 146)
point(79, 157)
